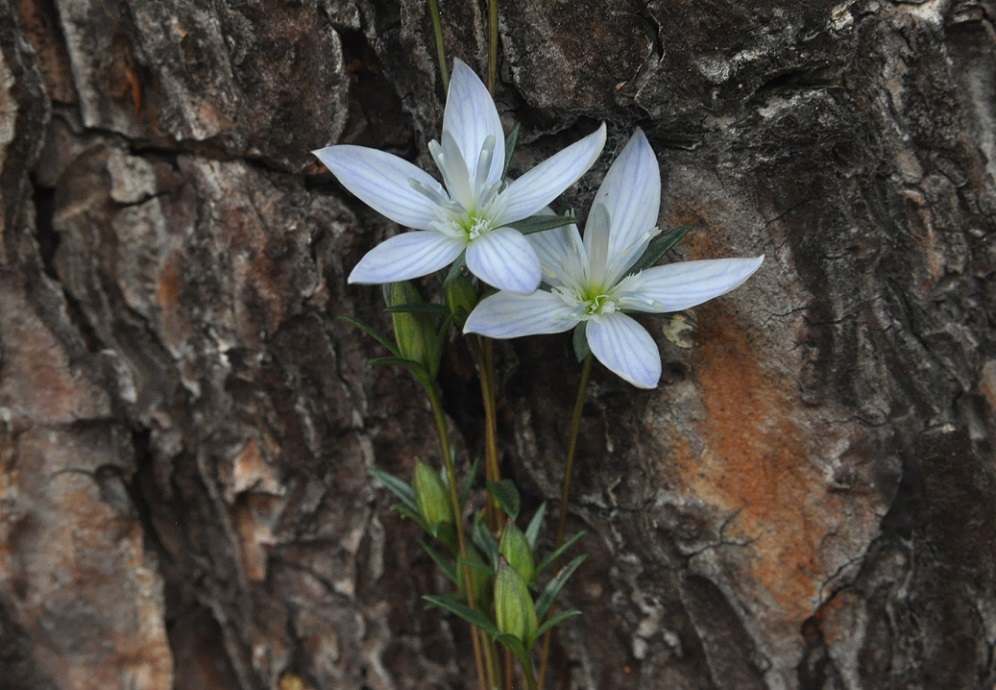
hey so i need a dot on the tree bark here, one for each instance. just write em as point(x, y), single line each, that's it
point(806, 502)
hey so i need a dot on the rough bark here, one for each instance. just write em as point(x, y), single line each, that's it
point(806, 502)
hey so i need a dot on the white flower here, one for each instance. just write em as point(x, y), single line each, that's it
point(475, 209)
point(588, 280)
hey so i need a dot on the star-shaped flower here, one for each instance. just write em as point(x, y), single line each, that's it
point(590, 281)
point(476, 210)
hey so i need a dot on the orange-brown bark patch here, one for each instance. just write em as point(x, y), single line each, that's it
point(754, 464)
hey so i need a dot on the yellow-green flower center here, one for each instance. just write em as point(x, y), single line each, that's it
point(595, 305)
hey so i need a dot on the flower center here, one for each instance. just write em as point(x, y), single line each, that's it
point(598, 304)
point(588, 303)
point(475, 226)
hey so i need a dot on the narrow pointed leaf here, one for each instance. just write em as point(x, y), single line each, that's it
point(514, 645)
point(469, 484)
point(555, 585)
point(408, 364)
point(560, 551)
point(440, 561)
point(541, 223)
point(465, 612)
point(554, 620)
point(510, 142)
point(408, 514)
point(532, 531)
point(580, 342)
point(455, 268)
point(658, 247)
point(485, 541)
point(507, 496)
point(396, 486)
point(369, 330)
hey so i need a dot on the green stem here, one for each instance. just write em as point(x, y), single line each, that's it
point(572, 446)
point(565, 491)
point(527, 671)
point(437, 28)
point(492, 44)
point(484, 671)
point(492, 469)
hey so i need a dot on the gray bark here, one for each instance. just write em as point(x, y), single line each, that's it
point(806, 502)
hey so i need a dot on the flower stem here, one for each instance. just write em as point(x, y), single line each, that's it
point(437, 28)
point(572, 445)
point(492, 469)
point(565, 490)
point(492, 44)
point(484, 668)
point(527, 671)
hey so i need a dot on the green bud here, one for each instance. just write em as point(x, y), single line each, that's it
point(415, 333)
point(515, 612)
point(431, 496)
point(461, 297)
point(515, 548)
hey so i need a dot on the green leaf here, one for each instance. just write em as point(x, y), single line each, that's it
point(446, 533)
point(532, 224)
point(658, 247)
point(485, 541)
point(514, 645)
point(480, 566)
point(559, 618)
point(469, 484)
point(396, 486)
point(532, 531)
point(369, 330)
point(580, 341)
point(455, 268)
point(411, 515)
point(507, 496)
point(424, 308)
point(438, 559)
point(510, 141)
point(559, 552)
point(554, 586)
point(465, 612)
point(409, 364)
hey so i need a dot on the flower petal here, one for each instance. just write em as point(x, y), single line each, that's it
point(544, 183)
point(625, 348)
point(631, 191)
point(511, 315)
point(406, 256)
point(683, 285)
point(504, 259)
point(596, 243)
point(561, 254)
point(470, 117)
point(381, 181)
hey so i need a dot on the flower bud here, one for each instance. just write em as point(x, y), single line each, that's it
point(431, 496)
point(515, 612)
point(515, 548)
point(461, 297)
point(414, 332)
